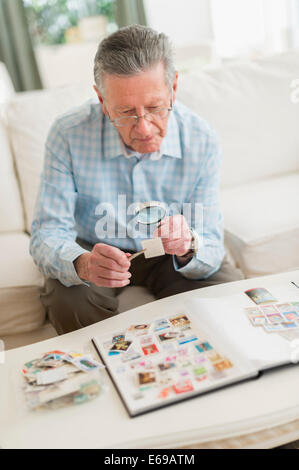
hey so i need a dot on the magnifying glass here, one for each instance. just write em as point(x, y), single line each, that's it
point(148, 213)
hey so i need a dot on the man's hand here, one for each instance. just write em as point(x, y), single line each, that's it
point(104, 266)
point(175, 234)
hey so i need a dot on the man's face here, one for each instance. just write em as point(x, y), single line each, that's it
point(137, 95)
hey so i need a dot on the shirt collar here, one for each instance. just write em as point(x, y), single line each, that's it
point(113, 145)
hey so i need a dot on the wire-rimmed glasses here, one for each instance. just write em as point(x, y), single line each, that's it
point(155, 115)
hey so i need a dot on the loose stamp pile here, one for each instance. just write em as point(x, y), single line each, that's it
point(58, 379)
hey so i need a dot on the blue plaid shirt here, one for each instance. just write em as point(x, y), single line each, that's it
point(88, 174)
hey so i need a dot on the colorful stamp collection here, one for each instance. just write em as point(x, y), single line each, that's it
point(58, 379)
point(275, 317)
point(165, 358)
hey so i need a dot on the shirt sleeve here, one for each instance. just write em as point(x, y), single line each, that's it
point(207, 221)
point(52, 245)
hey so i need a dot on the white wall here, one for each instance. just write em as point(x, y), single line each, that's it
point(238, 26)
point(186, 22)
point(233, 27)
point(6, 85)
point(67, 64)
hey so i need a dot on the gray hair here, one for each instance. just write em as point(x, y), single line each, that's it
point(131, 50)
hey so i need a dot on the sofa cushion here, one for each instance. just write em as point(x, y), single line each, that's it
point(20, 286)
point(11, 211)
point(29, 117)
point(249, 104)
point(262, 225)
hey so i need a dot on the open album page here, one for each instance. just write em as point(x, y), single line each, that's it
point(263, 328)
point(169, 358)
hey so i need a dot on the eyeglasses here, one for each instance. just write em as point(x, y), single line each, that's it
point(153, 116)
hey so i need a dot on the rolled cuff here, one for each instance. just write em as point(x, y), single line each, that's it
point(69, 276)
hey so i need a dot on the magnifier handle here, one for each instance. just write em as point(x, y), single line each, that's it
point(136, 254)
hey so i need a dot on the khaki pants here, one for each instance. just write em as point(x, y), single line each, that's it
point(71, 308)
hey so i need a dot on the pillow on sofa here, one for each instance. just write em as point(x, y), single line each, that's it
point(30, 116)
point(249, 104)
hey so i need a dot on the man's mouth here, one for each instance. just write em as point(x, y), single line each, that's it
point(147, 139)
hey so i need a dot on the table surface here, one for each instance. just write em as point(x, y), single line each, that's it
point(258, 413)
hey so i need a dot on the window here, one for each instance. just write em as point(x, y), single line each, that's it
point(66, 34)
point(62, 21)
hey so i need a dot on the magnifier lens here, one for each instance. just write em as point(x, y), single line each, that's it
point(150, 215)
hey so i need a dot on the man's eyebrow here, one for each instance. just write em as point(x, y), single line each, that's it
point(124, 106)
point(156, 102)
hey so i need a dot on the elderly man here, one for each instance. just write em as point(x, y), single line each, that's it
point(138, 142)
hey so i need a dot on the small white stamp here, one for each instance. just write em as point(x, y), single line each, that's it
point(153, 247)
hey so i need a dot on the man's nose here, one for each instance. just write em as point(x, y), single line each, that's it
point(143, 125)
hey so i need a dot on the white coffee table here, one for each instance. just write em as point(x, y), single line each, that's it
point(259, 413)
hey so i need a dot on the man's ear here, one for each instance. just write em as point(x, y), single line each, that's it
point(101, 100)
point(175, 85)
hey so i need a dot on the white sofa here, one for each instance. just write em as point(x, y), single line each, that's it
point(249, 104)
